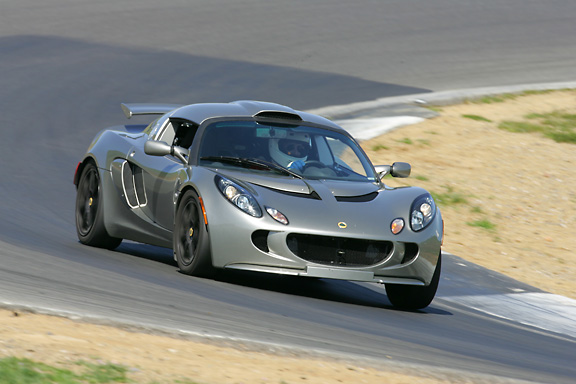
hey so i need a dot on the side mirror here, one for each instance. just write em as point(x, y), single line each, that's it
point(157, 148)
point(398, 169)
point(161, 148)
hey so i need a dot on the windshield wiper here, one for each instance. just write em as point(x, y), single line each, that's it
point(252, 163)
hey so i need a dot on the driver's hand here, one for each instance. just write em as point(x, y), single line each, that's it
point(296, 165)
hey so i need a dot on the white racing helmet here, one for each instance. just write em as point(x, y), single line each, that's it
point(294, 147)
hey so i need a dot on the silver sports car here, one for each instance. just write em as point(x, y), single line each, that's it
point(259, 187)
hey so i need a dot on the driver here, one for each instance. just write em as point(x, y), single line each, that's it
point(290, 152)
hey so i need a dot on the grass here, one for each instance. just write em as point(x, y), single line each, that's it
point(379, 147)
point(558, 126)
point(484, 224)
point(476, 210)
point(25, 371)
point(508, 96)
point(104, 373)
point(449, 198)
point(563, 137)
point(15, 370)
point(406, 140)
point(496, 98)
point(520, 127)
point(541, 91)
point(477, 118)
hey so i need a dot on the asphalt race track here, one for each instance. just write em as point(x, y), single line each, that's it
point(65, 66)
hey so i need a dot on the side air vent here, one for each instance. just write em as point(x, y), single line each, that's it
point(133, 185)
point(410, 252)
point(260, 240)
point(278, 115)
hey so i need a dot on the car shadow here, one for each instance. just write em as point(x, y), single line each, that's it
point(149, 252)
point(341, 291)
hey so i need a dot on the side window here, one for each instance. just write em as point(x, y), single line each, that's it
point(168, 133)
point(151, 127)
point(178, 132)
point(184, 133)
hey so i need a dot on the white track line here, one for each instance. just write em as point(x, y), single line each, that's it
point(546, 311)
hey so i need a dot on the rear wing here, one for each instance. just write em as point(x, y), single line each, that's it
point(147, 109)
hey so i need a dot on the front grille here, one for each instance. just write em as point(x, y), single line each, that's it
point(338, 251)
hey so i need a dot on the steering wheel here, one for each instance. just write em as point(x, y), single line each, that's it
point(313, 164)
point(317, 168)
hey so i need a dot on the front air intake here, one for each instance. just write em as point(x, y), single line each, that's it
point(339, 251)
point(410, 252)
point(260, 240)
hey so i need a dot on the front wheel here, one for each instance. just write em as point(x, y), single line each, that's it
point(414, 297)
point(89, 211)
point(191, 242)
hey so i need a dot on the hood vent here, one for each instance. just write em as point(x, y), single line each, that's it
point(357, 199)
point(312, 195)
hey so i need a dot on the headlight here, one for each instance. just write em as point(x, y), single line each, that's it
point(422, 212)
point(238, 196)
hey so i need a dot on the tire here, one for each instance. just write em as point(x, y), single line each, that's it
point(191, 241)
point(89, 211)
point(415, 297)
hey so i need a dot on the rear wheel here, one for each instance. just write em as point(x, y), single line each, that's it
point(414, 297)
point(191, 242)
point(89, 213)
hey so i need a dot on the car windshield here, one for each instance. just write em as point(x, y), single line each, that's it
point(303, 151)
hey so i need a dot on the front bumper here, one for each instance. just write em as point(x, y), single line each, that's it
point(409, 259)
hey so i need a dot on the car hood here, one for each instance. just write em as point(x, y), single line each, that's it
point(338, 188)
point(320, 206)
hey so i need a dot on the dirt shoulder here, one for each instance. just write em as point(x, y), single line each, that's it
point(156, 359)
point(509, 199)
point(509, 205)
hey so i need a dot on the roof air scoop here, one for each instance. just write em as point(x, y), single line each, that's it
point(278, 115)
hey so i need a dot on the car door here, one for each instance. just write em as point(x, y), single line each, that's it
point(153, 181)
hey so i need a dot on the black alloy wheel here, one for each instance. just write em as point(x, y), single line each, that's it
point(412, 297)
point(191, 242)
point(89, 213)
